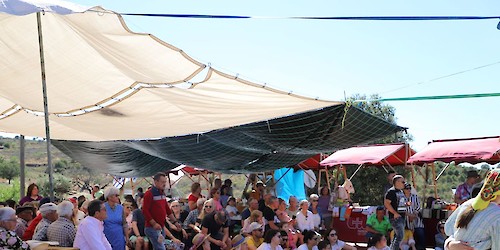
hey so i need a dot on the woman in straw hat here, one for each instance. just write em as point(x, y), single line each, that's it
point(476, 223)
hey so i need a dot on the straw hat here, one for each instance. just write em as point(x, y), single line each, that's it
point(237, 241)
point(198, 240)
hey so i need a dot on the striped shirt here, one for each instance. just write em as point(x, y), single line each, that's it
point(482, 232)
point(414, 208)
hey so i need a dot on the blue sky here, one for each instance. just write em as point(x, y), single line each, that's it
point(326, 59)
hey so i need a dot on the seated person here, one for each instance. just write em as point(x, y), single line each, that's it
point(255, 239)
point(377, 242)
point(408, 241)
point(441, 236)
point(378, 223)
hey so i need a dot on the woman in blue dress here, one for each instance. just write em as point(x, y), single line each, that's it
point(115, 225)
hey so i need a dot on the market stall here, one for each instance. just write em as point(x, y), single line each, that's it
point(351, 221)
point(470, 150)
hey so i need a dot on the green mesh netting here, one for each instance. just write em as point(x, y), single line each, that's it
point(254, 147)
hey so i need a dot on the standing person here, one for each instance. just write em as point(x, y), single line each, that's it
point(324, 205)
point(395, 203)
point(414, 221)
point(155, 209)
point(31, 194)
point(90, 233)
point(9, 239)
point(305, 217)
point(272, 240)
point(477, 221)
point(194, 195)
point(334, 241)
point(464, 190)
point(115, 224)
point(49, 215)
point(388, 185)
point(63, 230)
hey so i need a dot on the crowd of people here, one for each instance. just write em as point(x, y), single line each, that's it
point(151, 220)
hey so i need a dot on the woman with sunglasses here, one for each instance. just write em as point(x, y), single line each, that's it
point(208, 207)
point(335, 243)
point(441, 236)
point(215, 194)
point(272, 240)
point(311, 240)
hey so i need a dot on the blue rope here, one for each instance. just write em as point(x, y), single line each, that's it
point(359, 18)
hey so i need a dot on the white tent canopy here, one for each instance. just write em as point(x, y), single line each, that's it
point(105, 82)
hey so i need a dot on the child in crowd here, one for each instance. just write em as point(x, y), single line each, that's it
point(293, 237)
point(377, 242)
point(408, 241)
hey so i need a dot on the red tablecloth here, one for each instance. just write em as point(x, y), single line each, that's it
point(353, 229)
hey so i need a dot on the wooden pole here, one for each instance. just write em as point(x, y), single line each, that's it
point(45, 104)
point(22, 164)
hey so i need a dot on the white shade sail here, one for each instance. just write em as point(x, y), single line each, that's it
point(106, 82)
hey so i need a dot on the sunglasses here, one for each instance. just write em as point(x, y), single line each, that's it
point(316, 238)
point(331, 235)
point(176, 206)
point(208, 206)
point(284, 239)
point(314, 200)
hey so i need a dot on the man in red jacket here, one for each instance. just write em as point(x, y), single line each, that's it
point(156, 210)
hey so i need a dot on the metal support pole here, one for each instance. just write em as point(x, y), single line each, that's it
point(45, 104)
point(22, 164)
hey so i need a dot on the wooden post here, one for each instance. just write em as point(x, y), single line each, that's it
point(22, 164)
point(434, 180)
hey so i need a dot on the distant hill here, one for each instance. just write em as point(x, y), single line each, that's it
point(35, 151)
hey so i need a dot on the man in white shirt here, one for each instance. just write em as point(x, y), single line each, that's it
point(90, 234)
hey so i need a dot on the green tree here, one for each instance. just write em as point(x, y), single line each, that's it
point(62, 186)
point(370, 181)
point(9, 169)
